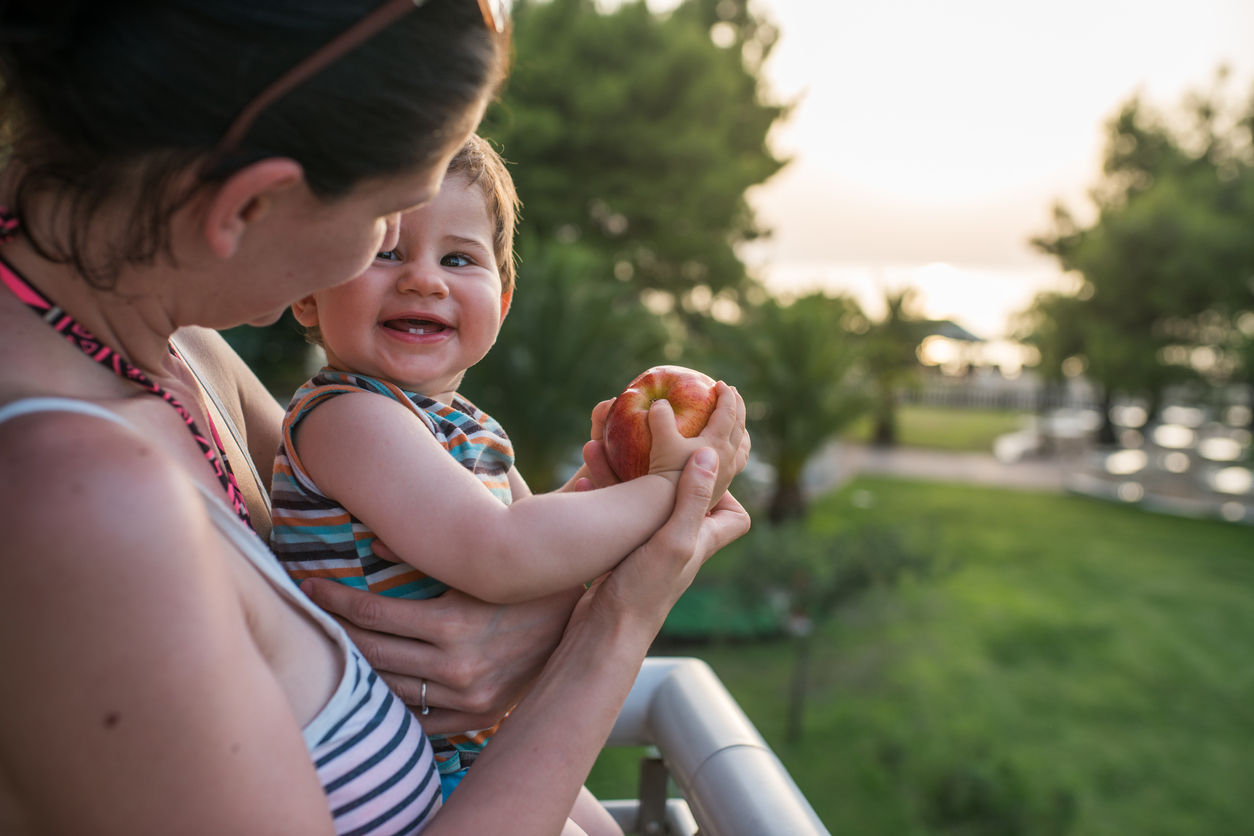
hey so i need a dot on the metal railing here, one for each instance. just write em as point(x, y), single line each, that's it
point(1026, 394)
point(731, 782)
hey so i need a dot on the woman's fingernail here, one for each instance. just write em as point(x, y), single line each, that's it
point(707, 460)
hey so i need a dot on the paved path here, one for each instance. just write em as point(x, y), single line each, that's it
point(840, 462)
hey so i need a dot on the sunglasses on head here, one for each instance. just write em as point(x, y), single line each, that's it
point(495, 16)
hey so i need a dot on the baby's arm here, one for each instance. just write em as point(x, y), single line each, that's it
point(374, 457)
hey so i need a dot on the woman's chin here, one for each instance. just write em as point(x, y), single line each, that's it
point(266, 319)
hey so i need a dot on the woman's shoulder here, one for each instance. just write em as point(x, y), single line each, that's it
point(134, 634)
point(107, 538)
point(75, 482)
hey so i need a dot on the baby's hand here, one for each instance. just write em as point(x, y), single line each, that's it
point(725, 433)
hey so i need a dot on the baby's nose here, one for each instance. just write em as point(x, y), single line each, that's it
point(425, 279)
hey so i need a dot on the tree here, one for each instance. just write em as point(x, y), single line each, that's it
point(807, 576)
point(892, 360)
point(638, 135)
point(1057, 325)
point(1167, 265)
point(572, 338)
point(794, 365)
point(633, 138)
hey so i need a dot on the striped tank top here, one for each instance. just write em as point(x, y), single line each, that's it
point(315, 537)
point(375, 765)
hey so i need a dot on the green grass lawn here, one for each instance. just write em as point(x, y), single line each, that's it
point(1073, 667)
point(944, 428)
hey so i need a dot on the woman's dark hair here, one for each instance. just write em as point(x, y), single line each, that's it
point(122, 98)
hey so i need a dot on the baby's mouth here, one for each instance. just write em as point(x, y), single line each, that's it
point(418, 327)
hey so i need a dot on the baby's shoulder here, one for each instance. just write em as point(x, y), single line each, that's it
point(330, 386)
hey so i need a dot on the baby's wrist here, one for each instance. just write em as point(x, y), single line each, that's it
point(671, 476)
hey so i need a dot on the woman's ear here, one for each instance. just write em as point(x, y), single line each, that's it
point(306, 311)
point(246, 197)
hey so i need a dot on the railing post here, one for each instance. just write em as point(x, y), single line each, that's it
point(651, 818)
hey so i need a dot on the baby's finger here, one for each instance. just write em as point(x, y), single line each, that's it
point(724, 418)
point(599, 413)
point(662, 421)
point(583, 483)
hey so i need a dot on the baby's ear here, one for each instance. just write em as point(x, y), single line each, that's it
point(306, 311)
point(506, 298)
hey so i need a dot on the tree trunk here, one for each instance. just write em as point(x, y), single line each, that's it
point(886, 421)
point(788, 503)
point(1106, 433)
point(797, 695)
point(1155, 405)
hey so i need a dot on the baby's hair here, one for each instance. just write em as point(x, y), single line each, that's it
point(480, 165)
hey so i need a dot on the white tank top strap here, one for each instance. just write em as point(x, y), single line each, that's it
point(28, 406)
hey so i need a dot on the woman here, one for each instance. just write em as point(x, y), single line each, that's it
point(158, 679)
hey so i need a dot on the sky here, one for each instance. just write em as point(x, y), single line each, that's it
point(929, 140)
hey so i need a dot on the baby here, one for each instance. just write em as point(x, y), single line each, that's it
point(404, 458)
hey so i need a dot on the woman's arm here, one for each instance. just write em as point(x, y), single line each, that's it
point(134, 698)
point(547, 745)
point(381, 463)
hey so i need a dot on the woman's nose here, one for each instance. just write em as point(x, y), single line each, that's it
point(426, 279)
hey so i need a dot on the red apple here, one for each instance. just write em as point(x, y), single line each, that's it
point(627, 435)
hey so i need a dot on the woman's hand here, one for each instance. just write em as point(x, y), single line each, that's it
point(647, 583)
point(476, 658)
point(581, 690)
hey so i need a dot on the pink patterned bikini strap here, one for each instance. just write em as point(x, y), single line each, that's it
point(86, 342)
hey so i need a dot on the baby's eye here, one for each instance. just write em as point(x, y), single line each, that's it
point(389, 255)
point(456, 260)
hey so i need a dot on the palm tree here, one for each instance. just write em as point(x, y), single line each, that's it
point(892, 361)
point(794, 365)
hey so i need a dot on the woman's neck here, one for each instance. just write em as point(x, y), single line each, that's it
point(131, 318)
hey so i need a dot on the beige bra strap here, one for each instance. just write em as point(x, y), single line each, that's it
point(226, 418)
